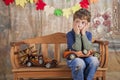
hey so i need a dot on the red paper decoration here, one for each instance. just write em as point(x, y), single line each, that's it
point(84, 4)
point(40, 5)
point(7, 2)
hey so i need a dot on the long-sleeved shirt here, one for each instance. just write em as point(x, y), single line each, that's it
point(78, 42)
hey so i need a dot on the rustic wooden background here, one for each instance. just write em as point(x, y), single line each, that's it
point(17, 23)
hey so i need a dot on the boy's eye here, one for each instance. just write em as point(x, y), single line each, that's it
point(77, 21)
point(83, 22)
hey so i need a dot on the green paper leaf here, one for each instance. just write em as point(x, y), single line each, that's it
point(58, 12)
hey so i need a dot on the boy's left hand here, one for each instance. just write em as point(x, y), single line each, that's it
point(84, 29)
point(80, 54)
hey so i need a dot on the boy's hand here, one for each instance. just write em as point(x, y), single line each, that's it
point(80, 54)
point(84, 29)
point(90, 52)
point(76, 29)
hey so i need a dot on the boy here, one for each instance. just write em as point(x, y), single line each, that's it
point(79, 39)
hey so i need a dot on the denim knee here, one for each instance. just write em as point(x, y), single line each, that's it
point(94, 61)
point(77, 64)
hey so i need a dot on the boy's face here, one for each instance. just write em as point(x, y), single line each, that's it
point(80, 23)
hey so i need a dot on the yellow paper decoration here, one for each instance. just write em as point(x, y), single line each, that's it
point(17, 2)
point(66, 12)
point(93, 1)
point(21, 2)
point(75, 8)
point(31, 1)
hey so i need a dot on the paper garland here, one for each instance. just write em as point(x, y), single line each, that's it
point(58, 12)
point(23, 2)
point(67, 12)
point(7, 2)
point(84, 4)
point(41, 5)
point(75, 8)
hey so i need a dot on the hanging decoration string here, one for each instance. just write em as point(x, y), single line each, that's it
point(41, 5)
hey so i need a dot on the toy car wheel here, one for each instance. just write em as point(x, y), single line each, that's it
point(85, 51)
point(97, 54)
point(71, 56)
point(48, 65)
point(29, 64)
point(54, 61)
point(41, 61)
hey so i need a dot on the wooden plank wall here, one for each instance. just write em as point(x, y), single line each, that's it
point(17, 23)
point(5, 65)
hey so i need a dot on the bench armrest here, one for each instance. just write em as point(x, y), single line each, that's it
point(101, 42)
point(103, 48)
point(14, 57)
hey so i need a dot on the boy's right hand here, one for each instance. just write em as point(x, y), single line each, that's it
point(76, 29)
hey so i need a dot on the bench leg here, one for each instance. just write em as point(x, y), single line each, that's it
point(103, 78)
point(16, 77)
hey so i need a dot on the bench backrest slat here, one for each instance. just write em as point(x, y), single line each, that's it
point(49, 39)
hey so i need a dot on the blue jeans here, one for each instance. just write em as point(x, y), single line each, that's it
point(83, 68)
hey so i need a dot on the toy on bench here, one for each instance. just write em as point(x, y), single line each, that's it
point(48, 63)
point(68, 54)
point(29, 57)
point(25, 55)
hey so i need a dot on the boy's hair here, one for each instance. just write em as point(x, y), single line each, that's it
point(82, 14)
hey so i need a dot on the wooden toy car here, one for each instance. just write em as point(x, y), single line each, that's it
point(34, 60)
point(47, 62)
point(50, 63)
point(68, 54)
point(39, 60)
point(28, 58)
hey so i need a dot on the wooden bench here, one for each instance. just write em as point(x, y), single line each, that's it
point(61, 71)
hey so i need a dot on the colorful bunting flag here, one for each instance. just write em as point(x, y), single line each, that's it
point(21, 2)
point(40, 5)
point(84, 4)
point(75, 8)
point(58, 12)
point(66, 12)
point(7, 2)
point(31, 1)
